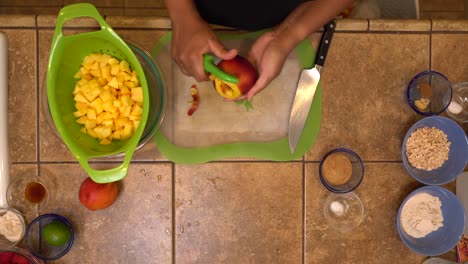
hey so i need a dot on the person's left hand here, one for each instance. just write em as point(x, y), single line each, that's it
point(268, 55)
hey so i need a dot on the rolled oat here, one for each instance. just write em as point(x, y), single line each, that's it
point(427, 148)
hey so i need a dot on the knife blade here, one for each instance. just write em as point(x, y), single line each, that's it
point(306, 88)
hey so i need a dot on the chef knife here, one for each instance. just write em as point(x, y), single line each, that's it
point(306, 87)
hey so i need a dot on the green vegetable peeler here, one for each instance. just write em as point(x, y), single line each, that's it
point(210, 66)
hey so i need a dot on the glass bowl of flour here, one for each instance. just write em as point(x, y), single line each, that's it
point(12, 227)
point(431, 220)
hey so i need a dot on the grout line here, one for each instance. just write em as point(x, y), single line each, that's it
point(213, 162)
point(304, 214)
point(173, 221)
point(38, 156)
point(430, 48)
point(38, 147)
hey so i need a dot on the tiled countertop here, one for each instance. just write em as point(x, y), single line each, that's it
point(244, 211)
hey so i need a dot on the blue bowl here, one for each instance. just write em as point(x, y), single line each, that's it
point(458, 154)
point(446, 237)
point(38, 246)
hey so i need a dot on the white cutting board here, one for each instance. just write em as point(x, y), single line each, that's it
point(462, 193)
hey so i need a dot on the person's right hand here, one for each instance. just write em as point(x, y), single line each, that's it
point(192, 38)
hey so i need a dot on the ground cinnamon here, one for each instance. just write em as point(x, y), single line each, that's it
point(337, 169)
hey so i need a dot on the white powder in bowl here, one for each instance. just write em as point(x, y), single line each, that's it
point(11, 227)
point(421, 215)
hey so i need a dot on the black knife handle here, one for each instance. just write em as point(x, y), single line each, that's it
point(325, 42)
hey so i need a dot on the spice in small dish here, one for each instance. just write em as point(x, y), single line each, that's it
point(35, 192)
point(425, 91)
point(337, 169)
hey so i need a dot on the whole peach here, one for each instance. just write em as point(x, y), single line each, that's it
point(97, 196)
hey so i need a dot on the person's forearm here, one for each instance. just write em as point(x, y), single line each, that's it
point(307, 19)
point(181, 10)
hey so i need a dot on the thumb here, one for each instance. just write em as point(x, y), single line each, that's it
point(259, 85)
point(220, 51)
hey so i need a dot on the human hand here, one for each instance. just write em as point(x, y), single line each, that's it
point(190, 40)
point(268, 55)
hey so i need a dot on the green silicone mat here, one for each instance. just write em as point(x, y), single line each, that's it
point(274, 150)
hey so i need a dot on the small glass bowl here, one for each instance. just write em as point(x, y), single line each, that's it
point(440, 93)
point(458, 108)
point(343, 211)
point(20, 189)
point(36, 243)
point(356, 171)
point(6, 242)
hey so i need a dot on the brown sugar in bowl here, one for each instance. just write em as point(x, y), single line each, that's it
point(341, 170)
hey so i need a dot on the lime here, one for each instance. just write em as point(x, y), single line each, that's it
point(56, 233)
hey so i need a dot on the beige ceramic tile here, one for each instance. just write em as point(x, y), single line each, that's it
point(51, 20)
point(453, 15)
point(449, 25)
point(399, 25)
point(364, 82)
point(138, 12)
point(138, 22)
point(98, 3)
point(376, 239)
point(17, 21)
point(449, 56)
point(22, 95)
point(441, 5)
point(29, 3)
point(352, 25)
point(239, 213)
point(144, 3)
point(29, 10)
point(135, 229)
point(111, 11)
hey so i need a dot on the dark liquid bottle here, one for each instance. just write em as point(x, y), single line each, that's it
point(35, 192)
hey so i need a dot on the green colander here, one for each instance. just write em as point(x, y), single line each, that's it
point(66, 55)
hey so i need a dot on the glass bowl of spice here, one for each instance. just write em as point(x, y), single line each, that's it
point(343, 211)
point(29, 193)
point(341, 170)
point(431, 220)
point(12, 227)
point(429, 93)
point(435, 150)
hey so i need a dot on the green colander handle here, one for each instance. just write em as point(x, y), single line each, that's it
point(75, 11)
point(208, 64)
point(110, 175)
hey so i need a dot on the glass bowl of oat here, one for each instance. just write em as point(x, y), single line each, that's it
point(429, 93)
point(435, 150)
